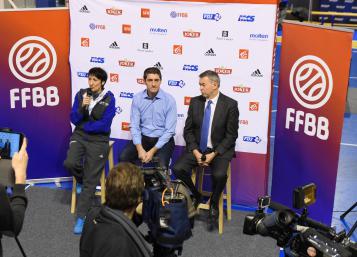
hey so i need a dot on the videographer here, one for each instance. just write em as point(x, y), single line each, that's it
point(109, 230)
point(12, 210)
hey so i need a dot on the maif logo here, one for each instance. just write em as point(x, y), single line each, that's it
point(311, 82)
point(32, 59)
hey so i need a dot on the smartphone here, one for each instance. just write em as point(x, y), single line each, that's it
point(10, 142)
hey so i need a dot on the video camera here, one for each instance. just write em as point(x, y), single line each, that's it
point(299, 235)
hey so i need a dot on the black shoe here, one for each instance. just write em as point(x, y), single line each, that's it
point(196, 200)
point(212, 218)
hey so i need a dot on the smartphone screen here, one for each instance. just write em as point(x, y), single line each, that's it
point(10, 142)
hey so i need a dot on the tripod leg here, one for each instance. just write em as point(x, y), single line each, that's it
point(20, 246)
point(352, 229)
point(349, 210)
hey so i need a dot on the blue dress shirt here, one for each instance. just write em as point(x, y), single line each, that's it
point(153, 117)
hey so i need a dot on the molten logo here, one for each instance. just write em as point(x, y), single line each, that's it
point(177, 49)
point(126, 28)
point(126, 63)
point(191, 34)
point(187, 100)
point(241, 89)
point(311, 82)
point(223, 71)
point(32, 59)
point(254, 106)
point(85, 42)
point(145, 13)
point(243, 53)
point(114, 77)
point(114, 11)
point(125, 126)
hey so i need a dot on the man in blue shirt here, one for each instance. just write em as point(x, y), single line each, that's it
point(152, 123)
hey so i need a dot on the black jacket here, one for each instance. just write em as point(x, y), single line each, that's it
point(104, 236)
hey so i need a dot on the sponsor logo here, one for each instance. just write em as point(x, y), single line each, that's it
point(259, 36)
point(114, 45)
point(187, 100)
point(249, 139)
point(192, 34)
point(125, 126)
point(210, 52)
point(159, 31)
point(32, 59)
point(174, 14)
point(212, 16)
point(126, 29)
point(126, 63)
point(140, 81)
point(241, 89)
point(254, 106)
point(225, 33)
point(126, 94)
point(114, 11)
point(189, 67)
point(243, 122)
point(93, 26)
point(145, 45)
point(225, 36)
point(180, 115)
point(145, 48)
point(311, 81)
point(118, 110)
point(159, 66)
point(82, 74)
point(84, 9)
point(176, 83)
point(84, 42)
point(243, 54)
point(222, 70)
point(97, 59)
point(114, 77)
point(257, 73)
point(145, 13)
point(177, 49)
point(246, 18)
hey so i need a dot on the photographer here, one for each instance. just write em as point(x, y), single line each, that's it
point(109, 230)
point(12, 210)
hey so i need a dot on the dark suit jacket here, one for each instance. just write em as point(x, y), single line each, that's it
point(224, 130)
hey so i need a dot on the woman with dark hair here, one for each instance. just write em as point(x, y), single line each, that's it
point(92, 113)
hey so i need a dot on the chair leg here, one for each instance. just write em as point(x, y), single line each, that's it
point(74, 195)
point(102, 187)
point(229, 194)
point(220, 216)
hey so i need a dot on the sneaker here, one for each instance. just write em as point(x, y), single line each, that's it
point(78, 227)
point(79, 188)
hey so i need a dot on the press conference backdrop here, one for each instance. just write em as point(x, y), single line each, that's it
point(183, 39)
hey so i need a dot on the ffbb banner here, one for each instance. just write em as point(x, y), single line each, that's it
point(312, 93)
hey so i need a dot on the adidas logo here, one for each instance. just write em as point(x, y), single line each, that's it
point(158, 65)
point(84, 9)
point(114, 45)
point(257, 73)
point(210, 52)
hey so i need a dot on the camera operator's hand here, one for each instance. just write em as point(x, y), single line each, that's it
point(209, 158)
point(86, 100)
point(19, 163)
point(198, 156)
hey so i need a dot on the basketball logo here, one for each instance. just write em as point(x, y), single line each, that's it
point(32, 59)
point(311, 81)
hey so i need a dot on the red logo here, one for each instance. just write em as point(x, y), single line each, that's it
point(187, 100)
point(114, 77)
point(126, 28)
point(114, 11)
point(243, 122)
point(126, 63)
point(145, 13)
point(140, 81)
point(192, 34)
point(253, 106)
point(177, 49)
point(240, 89)
point(243, 53)
point(223, 71)
point(85, 42)
point(125, 126)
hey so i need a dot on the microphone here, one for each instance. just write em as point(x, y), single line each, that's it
point(89, 93)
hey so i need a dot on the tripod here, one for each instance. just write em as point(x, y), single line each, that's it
point(354, 225)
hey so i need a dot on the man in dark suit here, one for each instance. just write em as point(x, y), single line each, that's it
point(210, 132)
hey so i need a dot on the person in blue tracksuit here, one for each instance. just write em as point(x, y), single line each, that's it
point(92, 114)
